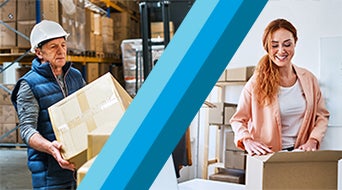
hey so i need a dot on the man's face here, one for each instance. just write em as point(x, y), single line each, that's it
point(54, 52)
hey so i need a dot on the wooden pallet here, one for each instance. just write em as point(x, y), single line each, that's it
point(13, 50)
point(17, 146)
point(112, 55)
point(100, 54)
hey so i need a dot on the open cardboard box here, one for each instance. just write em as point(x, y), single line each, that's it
point(294, 170)
point(100, 104)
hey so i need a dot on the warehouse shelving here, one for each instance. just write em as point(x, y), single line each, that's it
point(220, 131)
point(24, 57)
point(9, 57)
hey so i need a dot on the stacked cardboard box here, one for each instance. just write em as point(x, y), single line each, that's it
point(221, 113)
point(97, 106)
point(8, 115)
point(96, 140)
point(234, 157)
point(15, 14)
point(83, 170)
point(90, 30)
point(241, 74)
point(93, 32)
point(84, 28)
point(234, 163)
point(92, 72)
point(157, 29)
point(107, 34)
point(7, 36)
point(74, 23)
point(8, 14)
point(26, 21)
point(126, 27)
point(25, 27)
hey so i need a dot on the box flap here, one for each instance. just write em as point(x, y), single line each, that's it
point(126, 99)
point(301, 156)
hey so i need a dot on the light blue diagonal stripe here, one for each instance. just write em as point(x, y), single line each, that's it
point(172, 94)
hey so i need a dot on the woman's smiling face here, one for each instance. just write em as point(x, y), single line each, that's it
point(282, 47)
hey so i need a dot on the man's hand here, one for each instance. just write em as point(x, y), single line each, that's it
point(256, 148)
point(55, 150)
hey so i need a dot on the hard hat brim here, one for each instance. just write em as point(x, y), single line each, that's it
point(40, 44)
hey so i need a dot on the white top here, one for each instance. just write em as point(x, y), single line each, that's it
point(292, 107)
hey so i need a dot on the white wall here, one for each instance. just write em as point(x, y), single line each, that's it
point(314, 19)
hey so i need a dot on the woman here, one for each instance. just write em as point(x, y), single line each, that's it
point(281, 107)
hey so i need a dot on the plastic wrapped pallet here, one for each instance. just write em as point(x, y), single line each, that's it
point(132, 58)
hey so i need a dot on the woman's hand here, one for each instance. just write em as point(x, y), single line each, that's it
point(55, 149)
point(310, 145)
point(256, 148)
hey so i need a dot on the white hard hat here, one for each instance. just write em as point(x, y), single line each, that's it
point(45, 30)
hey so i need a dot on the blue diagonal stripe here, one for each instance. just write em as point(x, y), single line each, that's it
point(172, 94)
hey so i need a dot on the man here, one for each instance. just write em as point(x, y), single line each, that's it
point(50, 80)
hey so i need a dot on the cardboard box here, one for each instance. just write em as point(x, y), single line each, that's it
point(239, 74)
point(96, 139)
point(98, 43)
point(229, 111)
point(25, 28)
point(50, 10)
point(92, 71)
point(8, 38)
point(5, 94)
point(99, 104)
point(8, 12)
point(8, 115)
point(293, 170)
point(107, 26)
point(235, 159)
point(157, 29)
point(82, 171)
point(122, 19)
point(23, 7)
point(11, 137)
point(221, 112)
point(216, 114)
point(90, 41)
point(230, 145)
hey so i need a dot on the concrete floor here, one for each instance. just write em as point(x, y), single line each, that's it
point(14, 174)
